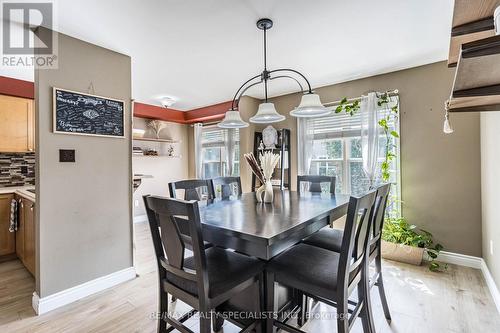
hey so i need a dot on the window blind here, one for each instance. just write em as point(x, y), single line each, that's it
point(339, 125)
point(214, 137)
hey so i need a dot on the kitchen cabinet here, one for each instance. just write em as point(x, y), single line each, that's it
point(25, 236)
point(17, 124)
point(7, 239)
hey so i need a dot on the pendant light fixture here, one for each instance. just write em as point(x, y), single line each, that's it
point(310, 105)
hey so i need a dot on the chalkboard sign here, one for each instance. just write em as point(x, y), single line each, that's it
point(83, 114)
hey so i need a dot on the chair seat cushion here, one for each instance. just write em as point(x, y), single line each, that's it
point(326, 238)
point(226, 270)
point(308, 268)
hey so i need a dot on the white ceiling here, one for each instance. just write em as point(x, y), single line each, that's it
point(201, 51)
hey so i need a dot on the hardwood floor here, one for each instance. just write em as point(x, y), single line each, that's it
point(420, 301)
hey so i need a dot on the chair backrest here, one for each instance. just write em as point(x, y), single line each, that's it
point(379, 210)
point(192, 188)
point(227, 185)
point(315, 183)
point(164, 216)
point(356, 236)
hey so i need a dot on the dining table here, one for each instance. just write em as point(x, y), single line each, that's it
point(264, 230)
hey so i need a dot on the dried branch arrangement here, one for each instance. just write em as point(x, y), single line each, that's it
point(254, 165)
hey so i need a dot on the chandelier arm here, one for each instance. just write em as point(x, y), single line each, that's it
point(241, 87)
point(289, 77)
point(296, 72)
point(237, 101)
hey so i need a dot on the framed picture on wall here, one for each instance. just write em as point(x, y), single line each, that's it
point(83, 114)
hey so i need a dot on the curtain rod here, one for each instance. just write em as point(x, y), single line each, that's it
point(391, 93)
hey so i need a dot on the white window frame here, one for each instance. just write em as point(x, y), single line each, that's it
point(222, 153)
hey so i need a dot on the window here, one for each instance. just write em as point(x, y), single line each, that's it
point(214, 152)
point(337, 152)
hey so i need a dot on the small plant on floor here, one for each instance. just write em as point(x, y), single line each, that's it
point(399, 231)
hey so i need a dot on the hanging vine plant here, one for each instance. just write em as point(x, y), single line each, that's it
point(384, 100)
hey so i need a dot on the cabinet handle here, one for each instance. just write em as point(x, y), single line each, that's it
point(32, 205)
point(22, 204)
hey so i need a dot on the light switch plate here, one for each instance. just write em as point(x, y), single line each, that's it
point(66, 155)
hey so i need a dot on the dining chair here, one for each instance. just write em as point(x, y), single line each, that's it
point(331, 239)
point(315, 183)
point(331, 277)
point(227, 185)
point(205, 280)
point(192, 189)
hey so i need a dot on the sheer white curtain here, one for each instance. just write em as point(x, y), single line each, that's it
point(370, 133)
point(229, 143)
point(198, 153)
point(305, 140)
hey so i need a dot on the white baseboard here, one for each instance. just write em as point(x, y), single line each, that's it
point(474, 262)
point(460, 259)
point(140, 218)
point(491, 284)
point(51, 302)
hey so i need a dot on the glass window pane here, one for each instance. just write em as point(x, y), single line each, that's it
point(359, 182)
point(327, 149)
point(356, 148)
point(212, 170)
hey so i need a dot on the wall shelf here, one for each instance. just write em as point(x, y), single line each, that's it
point(477, 79)
point(157, 156)
point(472, 20)
point(156, 140)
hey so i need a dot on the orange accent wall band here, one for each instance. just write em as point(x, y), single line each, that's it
point(17, 88)
point(208, 113)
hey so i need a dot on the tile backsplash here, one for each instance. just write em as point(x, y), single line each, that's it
point(17, 169)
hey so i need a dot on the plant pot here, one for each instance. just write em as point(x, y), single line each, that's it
point(402, 253)
point(268, 192)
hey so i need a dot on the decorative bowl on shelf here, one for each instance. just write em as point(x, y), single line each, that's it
point(138, 133)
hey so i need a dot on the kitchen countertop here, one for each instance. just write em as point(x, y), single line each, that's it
point(20, 190)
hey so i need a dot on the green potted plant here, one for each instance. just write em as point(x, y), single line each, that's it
point(404, 242)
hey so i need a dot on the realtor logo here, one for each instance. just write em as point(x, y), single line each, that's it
point(27, 34)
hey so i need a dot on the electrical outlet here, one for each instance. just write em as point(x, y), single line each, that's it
point(136, 203)
point(491, 247)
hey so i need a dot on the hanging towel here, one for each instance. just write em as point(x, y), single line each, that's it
point(13, 216)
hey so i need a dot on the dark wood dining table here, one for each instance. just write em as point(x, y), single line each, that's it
point(264, 230)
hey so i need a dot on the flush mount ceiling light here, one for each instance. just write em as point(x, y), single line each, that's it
point(167, 102)
point(310, 105)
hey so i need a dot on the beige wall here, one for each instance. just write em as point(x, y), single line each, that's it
point(440, 173)
point(84, 209)
point(490, 184)
point(163, 169)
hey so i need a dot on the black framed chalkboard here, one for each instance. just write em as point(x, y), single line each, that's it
point(84, 114)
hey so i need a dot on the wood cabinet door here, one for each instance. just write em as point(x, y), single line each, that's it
point(29, 236)
point(7, 239)
point(20, 230)
point(16, 124)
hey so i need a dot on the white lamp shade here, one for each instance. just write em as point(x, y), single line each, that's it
point(310, 106)
point(232, 119)
point(267, 114)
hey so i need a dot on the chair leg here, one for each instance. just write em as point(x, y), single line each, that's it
point(304, 309)
point(364, 313)
point(205, 321)
point(217, 321)
point(367, 311)
point(269, 302)
point(162, 316)
point(381, 290)
point(342, 314)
